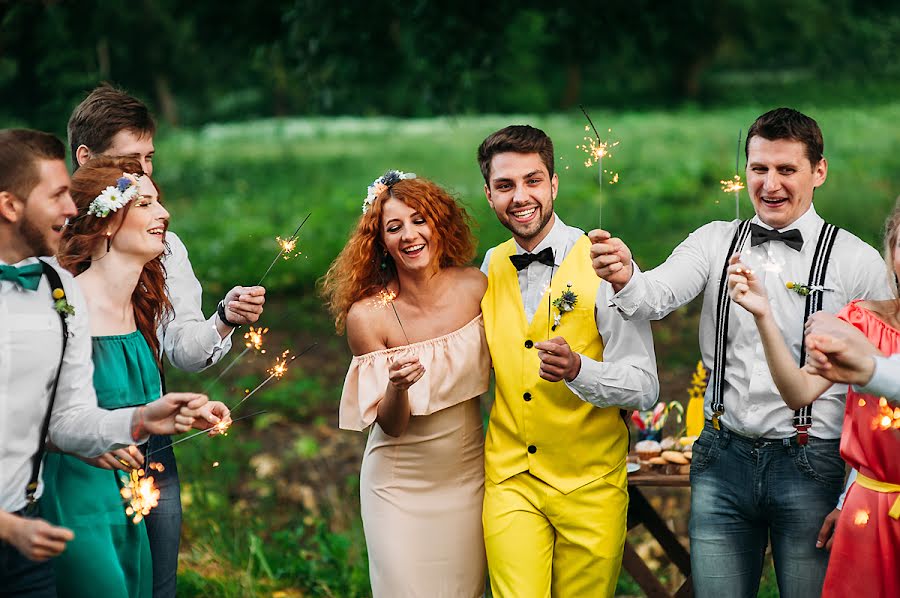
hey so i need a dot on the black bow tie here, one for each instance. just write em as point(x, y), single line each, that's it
point(759, 235)
point(545, 256)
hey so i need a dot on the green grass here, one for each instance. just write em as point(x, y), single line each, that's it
point(280, 513)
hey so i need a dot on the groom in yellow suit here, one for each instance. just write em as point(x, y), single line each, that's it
point(566, 364)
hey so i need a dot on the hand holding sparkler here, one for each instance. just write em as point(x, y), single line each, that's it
point(124, 459)
point(214, 417)
point(405, 371)
point(838, 351)
point(611, 258)
point(746, 289)
point(558, 360)
point(174, 413)
point(242, 306)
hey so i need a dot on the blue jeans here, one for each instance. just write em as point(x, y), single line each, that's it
point(745, 491)
point(24, 578)
point(164, 521)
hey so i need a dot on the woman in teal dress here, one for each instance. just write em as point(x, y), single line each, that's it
point(113, 247)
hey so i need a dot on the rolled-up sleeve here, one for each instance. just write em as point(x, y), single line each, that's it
point(190, 341)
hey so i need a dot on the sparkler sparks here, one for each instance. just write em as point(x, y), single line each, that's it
point(254, 342)
point(735, 184)
point(140, 492)
point(732, 185)
point(288, 247)
point(861, 518)
point(597, 149)
point(887, 417)
point(386, 297)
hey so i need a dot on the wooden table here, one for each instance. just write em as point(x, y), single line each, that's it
point(640, 512)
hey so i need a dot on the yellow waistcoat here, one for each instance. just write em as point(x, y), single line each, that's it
point(535, 425)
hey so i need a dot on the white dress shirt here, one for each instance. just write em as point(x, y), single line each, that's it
point(753, 406)
point(30, 342)
point(885, 380)
point(190, 341)
point(627, 375)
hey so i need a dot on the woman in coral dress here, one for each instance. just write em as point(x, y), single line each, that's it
point(866, 547)
point(412, 313)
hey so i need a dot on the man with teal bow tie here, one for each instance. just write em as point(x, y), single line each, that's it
point(46, 389)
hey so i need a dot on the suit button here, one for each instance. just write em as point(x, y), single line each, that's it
point(532, 449)
point(529, 344)
point(527, 396)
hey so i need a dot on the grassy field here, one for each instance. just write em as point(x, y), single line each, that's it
point(272, 509)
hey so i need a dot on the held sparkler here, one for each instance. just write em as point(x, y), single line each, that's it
point(254, 341)
point(735, 184)
point(596, 150)
point(288, 246)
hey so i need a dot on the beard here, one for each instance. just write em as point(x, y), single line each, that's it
point(35, 239)
point(530, 231)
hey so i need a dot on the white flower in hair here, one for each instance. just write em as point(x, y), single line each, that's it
point(114, 197)
point(385, 181)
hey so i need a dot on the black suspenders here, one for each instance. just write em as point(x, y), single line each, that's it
point(802, 420)
point(55, 283)
point(723, 309)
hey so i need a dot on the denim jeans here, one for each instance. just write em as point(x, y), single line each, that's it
point(24, 578)
point(164, 521)
point(747, 491)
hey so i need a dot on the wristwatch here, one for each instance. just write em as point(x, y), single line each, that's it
point(221, 311)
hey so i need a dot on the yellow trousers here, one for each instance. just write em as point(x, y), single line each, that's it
point(542, 543)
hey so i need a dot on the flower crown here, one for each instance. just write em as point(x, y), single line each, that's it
point(385, 181)
point(114, 197)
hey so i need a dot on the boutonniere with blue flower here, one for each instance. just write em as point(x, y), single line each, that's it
point(805, 289)
point(61, 305)
point(564, 303)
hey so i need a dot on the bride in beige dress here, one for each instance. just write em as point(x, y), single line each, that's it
point(411, 309)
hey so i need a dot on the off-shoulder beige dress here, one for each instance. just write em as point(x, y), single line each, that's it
point(421, 494)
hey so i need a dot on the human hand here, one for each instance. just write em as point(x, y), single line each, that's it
point(833, 359)
point(404, 372)
point(174, 413)
point(558, 361)
point(34, 538)
point(611, 258)
point(210, 415)
point(745, 288)
point(244, 305)
point(826, 533)
point(124, 459)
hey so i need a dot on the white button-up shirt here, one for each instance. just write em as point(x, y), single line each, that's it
point(30, 344)
point(753, 406)
point(885, 380)
point(627, 375)
point(190, 341)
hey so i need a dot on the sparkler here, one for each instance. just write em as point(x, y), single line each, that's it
point(386, 297)
point(887, 417)
point(596, 150)
point(735, 184)
point(288, 247)
point(278, 369)
point(254, 341)
point(141, 492)
point(220, 425)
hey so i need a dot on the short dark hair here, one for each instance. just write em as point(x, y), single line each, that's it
point(20, 151)
point(787, 123)
point(103, 113)
point(520, 139)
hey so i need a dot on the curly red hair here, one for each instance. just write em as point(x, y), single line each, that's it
point(356, 273)
point(85, 233)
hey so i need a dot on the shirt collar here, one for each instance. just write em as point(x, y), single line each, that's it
point(808, 224)
point(25, 262)
point(555, 239)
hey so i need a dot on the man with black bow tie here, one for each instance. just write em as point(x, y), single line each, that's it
point(565, 363)
point(759, 470)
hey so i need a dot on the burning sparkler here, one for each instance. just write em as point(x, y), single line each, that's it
point(735, 184)
point(386, 297)
point(278, 369)
point(254, 342)
point(288, 248)
point(887, 417)
point(140, 492)
point(596, 150)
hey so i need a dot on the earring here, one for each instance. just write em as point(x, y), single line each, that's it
point(108, 241)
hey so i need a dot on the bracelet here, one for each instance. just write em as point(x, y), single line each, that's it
point(138, 431)
point(221, 311)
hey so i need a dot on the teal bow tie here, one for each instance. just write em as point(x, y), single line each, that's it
point(28, 277)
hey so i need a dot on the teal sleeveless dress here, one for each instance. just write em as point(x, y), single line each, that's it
point(110, 555)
